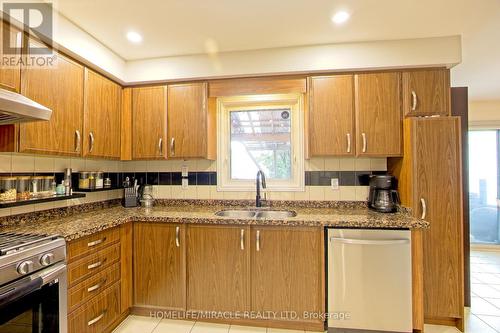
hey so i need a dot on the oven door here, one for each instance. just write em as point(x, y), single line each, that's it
point(36, 303)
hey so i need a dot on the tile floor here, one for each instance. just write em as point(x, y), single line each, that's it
point(482, 317)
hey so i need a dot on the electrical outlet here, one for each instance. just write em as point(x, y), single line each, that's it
point(335, 183)
point(185, 183)
point(184, 170)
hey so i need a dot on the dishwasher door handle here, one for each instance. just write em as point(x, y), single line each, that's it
point(370, 241)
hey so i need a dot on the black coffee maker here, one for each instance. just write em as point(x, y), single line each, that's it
point(383, 196)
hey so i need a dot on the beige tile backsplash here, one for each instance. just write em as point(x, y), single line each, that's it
point(12, 162)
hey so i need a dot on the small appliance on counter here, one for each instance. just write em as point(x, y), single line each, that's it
point(383, 196)
point(146, 196)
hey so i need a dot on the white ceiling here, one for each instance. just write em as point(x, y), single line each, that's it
point(181, 27)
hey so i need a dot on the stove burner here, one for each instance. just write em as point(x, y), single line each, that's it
point(13, 242)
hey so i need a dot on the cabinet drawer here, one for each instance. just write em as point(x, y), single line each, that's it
point(92, 264)
point(93, 286)
point(97, 314)
point(90, 244)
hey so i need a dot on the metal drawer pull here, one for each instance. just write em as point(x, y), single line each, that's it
point(97, 242)
point(172, 146)
point(96, 286)
point(242, 239)
point(78, 140)
point(424, 208)
point(91, 135)
point(97, 264)
point(414, 100)
point(257, 245)
point(348, 142)
point(370, 241)
point(96, 319)
point(363, 135)
point(177, 239)
point(160, 146)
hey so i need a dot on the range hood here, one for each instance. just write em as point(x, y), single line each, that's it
point(15, 108)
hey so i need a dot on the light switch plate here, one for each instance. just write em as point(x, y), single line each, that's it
point(184, 170)
point(335, 183)
point(185, 183)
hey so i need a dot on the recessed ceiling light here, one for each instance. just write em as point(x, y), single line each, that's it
point(340, 17)
point(134, 37)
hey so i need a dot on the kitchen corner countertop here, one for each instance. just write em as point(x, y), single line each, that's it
point(84, 224)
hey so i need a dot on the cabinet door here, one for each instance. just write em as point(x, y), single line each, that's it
point(187, 120)
point(101, 129)
point(426, 93)
point(10, 76)
point(60, 88)
point(331, 115)
point(436, 145)
point(287, 270)
point(219, 268)
point(149, 107)
point(378, 114)
point(159, 265)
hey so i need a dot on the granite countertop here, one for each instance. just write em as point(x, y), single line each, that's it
point(349, 215)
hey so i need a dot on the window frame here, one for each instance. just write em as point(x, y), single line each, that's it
point(225, 105)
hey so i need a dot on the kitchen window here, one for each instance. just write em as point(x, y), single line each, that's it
point(260, 132)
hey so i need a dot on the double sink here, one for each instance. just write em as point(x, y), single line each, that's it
point(256, 213)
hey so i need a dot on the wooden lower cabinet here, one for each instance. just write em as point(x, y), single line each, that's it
point(159, 265)
point(218, 268)
point(99, 275)
point(288, 273)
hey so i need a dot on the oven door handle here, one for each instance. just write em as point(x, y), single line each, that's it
point(9, 295)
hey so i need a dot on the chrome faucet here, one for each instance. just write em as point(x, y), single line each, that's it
point(260, 179)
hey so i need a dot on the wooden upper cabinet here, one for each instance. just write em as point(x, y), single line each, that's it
point(10, 76)
point(190, 125)
point(378, 114)
point(101, 120)
point(426, 92)
point(435, 153)
point(331, 115)
point(149, 117)
point(60, 88)
point(287, 271)
point(159, 256)
point(219, 268)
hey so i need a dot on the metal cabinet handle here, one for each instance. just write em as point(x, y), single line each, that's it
point(97, 264)
point(96, 242)
point(78, 140)
point(363, 135)
point(172, 146)
point(414, 100)
point(96, 319)
point(160, 146)
point(177, 239)
point(424, 208)
point(96, 286)
point(91, 135)
point(257, 245)
point(348, 142)
point(242, 239)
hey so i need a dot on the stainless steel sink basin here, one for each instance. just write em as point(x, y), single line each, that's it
point(248, 214)
point(237, 213)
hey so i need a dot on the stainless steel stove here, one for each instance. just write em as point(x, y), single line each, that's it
point(33, 283)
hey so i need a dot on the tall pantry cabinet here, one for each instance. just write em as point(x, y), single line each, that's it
point(429, 177)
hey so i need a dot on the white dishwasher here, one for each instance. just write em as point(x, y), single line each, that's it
point(369, 280)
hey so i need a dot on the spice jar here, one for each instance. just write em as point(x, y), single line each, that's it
point(92, 180)
point(8, 188)
point(23, 187)
point(107, 183)
point(46, 186)
point(83, 181)
point(99, 180)
point(36, 186)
